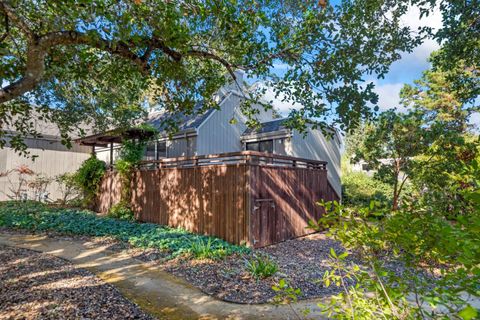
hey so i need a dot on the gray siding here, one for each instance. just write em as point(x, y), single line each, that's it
point(315, 146)
point(218, 135)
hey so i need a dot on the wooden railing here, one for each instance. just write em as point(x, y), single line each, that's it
point(245, 157)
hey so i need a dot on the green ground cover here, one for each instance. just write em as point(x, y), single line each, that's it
point(39, 217)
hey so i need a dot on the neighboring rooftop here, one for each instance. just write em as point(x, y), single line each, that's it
point(38, 122)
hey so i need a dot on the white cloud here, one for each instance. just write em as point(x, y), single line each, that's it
point(416, 60)
point(475, 121)
point(412, 19)
point(388, 95)
point(410, 66)
point(283, 107)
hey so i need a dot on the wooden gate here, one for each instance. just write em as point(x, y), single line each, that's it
point(265, 223)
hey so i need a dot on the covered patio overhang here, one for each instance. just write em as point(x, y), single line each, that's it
point(107, 138)
point(116, 136)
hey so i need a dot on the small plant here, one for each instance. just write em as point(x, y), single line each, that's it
point(202, 248)
point(121, 211)
point(68, 187)
point(261, 267)
point(286, 294)
point(18, 188)
point(38, 187)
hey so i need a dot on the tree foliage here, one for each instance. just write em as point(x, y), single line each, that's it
point(97, 62)
point(421, 260)
point(428, 141)
point(390, 146)
point(437, 261)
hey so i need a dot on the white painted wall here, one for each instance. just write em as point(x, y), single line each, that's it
point(50, 163)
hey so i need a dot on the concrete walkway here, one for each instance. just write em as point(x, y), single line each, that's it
point(155, 291)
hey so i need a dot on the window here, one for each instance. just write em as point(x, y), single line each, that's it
point(262, 146)
point(366, 167)
point(150, 151)
point(156, 150)
point(161, 149)
point(280, 147)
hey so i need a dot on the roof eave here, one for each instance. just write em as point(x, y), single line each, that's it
point(278, 134)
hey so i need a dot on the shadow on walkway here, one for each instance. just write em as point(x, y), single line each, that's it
point(155, 291)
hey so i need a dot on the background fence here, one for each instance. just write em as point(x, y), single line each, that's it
point(244, 197)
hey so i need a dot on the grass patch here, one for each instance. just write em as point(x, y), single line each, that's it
point(206, 249)
point(35, 216)
point(261, 267)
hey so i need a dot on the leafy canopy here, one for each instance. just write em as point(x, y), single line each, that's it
point(98, 62)
point(428, 141)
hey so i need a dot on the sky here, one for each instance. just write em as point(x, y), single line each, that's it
point(405, 70)
point(411, 65)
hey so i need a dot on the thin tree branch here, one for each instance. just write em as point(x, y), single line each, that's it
point(16, 20)
point(209, 55)
point(7, 29)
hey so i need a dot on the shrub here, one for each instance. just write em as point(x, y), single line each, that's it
point(359, 189)
point(88, 178)
point(261, 267)
point(39, 217)
point(202, 248)
point(440, 260)
point(121, 211)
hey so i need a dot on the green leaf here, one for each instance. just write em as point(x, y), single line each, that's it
point(468, 313)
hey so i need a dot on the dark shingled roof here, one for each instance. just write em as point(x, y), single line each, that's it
point(157, 120)
point(185, 122)
point(270, 126)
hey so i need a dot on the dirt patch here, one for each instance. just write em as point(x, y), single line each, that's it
point(39, 286)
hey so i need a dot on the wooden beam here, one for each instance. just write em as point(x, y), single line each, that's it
point(111, 154)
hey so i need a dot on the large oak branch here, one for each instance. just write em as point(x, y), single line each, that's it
point(38, 47)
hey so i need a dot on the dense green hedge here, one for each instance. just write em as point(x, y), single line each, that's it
point(38, 217)
point(358, 189)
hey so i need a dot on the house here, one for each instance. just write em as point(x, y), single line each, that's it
point(214, 132)
point(33, 178)
point(216, 176)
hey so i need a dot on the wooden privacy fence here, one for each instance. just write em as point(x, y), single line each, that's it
point(245, 197)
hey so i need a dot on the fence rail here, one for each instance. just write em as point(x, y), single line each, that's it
point(245, 157)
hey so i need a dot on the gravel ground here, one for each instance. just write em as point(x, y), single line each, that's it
point(302, 262)
point(39, 286)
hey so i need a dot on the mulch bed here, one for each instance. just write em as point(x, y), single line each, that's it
point(302, 263)
point(39, 286)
